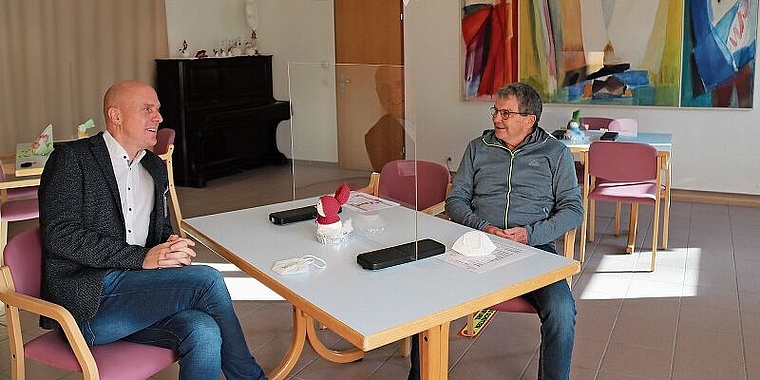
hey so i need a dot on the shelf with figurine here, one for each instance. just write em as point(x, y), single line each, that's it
point(229, 47)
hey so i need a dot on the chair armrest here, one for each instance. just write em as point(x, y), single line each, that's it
point(569, 250)
point(435, 209)
point(13, 299)
point(569, 242)
point(372, 187)
point(16, 183)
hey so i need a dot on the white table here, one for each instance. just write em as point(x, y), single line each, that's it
point(370, 309)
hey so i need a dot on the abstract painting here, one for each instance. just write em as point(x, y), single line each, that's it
point(615, 52)
point(719, 53)
point(489, 40)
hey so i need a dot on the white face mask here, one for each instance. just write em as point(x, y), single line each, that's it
point(297, 265)
point(473, 244)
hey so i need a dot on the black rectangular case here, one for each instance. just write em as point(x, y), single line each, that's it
point(295, 215)
point(403, 253)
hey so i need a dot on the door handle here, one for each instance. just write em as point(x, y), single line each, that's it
point(343, 81)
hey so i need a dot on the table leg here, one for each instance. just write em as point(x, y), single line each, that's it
point(434, 353)
point(334, 356)
point(632, 226)
point(296, 346)
point(666, 216)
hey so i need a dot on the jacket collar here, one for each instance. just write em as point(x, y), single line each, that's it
point(103, 158)
point(536, 135)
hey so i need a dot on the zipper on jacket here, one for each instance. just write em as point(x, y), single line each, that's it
point(509, 177)
point(509, 188)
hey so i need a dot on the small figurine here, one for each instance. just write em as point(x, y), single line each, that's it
point(183, 50)
point(201, 54)
point(251, 46)
point(328, 221)
point(574, 132)
point(82, 128)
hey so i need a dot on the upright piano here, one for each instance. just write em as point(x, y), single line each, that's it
point(224, 115)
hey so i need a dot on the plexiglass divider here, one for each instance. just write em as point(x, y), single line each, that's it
point(348, 122)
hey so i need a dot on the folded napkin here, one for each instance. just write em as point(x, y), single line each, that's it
point(82, 128)
point(474, 243)
point(43, 144)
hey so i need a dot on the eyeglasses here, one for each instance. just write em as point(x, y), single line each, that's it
point(505, 114)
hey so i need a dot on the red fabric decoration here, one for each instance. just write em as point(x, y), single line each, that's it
point(331, 205)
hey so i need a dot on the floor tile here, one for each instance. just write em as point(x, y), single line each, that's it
point(708, 355)
point(632, 360)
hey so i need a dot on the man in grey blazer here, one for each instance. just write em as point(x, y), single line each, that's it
point(111, 258)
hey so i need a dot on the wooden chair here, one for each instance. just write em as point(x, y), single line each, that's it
point(622, 172)
point(519, 304)
point(165, 148)
point(20, 283)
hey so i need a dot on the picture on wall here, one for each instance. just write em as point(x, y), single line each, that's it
point(489, 34)
point(691, 53)
point(603, 52)
point(719, 53)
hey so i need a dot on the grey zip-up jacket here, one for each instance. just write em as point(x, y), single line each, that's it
point(533, 186)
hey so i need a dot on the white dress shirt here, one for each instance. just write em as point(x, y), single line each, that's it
point(135, 190)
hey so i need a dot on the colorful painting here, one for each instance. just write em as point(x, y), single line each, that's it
point(719, 53)
point(489, 39)
point(614, 52)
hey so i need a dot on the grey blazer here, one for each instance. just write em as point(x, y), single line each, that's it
point(82, 224)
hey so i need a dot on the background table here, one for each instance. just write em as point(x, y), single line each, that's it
point(28, 165)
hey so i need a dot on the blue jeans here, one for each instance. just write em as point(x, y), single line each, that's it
point(187, 309)
point(556, 310)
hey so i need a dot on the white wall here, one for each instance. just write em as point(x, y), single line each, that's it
point(713, 149)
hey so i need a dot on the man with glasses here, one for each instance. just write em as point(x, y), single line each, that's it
point(518, 182)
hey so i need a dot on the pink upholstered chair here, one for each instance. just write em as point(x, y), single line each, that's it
point(396, 181)
point(624, 125)
point(21, 204)
point(20, 281)
point(595, 122)
point(622, 172)
point(165, 148)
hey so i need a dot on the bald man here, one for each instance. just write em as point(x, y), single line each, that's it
point(385, 140)
point(106, 233)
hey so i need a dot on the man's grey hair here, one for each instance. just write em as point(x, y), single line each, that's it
point(528, 100)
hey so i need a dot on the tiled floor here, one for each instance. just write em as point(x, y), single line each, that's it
point(696, 317)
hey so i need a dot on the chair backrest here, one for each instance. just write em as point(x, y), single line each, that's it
point(622, 161)
point(624, 125)
point(594, 122)
point(165, 136)
point(397, 182)
point(23, 255)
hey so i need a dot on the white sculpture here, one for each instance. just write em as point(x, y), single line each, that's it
point(252, 13)
point(252, 18)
